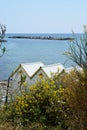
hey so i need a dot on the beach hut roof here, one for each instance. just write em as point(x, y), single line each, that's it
point(31, 68)
point(52, 69)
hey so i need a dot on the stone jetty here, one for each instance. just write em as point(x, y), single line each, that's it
point(42, 38)
point(1, 40)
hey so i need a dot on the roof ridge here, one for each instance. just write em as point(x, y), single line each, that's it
point(52, 65)
point(32, 63)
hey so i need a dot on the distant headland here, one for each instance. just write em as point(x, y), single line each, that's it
point(42, 38)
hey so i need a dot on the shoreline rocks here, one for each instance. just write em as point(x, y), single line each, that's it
point(3, 89)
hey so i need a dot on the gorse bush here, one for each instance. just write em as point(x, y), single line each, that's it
point(75, 95)
point(42, 102)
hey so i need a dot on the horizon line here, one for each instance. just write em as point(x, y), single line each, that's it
point(43, 33)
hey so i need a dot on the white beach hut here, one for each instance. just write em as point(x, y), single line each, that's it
point(50, 70)
point(28, 70)
point(33, 72)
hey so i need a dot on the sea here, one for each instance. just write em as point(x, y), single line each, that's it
point(34, 50)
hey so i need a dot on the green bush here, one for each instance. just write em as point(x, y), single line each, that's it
point(76, 98)
point(43, 102)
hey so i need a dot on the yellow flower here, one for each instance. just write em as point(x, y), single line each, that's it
point(26, 105)
point(55, 92)
point(18, 97)
point(31, 110)
point(25, 84)
point(19, 102)
point(27, 96)
point(30, 101)
point(17, 108)
point(47, 86)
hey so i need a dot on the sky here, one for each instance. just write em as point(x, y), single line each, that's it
point(43, 16)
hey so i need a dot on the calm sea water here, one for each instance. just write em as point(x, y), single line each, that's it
point(26, 50)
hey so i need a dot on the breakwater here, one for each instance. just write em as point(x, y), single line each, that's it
point(42, 38)
point(1, 40)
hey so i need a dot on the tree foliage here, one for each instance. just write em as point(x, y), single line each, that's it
point(76, 84)
point(76, 98)
point(78, 50)
point(2, 34)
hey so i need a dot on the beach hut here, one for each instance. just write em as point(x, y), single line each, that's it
point(51, 70)
point(25, 71)
point(32, 72)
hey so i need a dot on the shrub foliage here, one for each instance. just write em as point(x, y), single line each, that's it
point(43, 102)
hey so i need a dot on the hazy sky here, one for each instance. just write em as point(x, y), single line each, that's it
point(43, 16)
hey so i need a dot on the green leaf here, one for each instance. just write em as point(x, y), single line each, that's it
point(4, 49)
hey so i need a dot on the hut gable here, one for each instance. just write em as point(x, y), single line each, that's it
point(53, 69)
point(31, 68)
point(27, 70)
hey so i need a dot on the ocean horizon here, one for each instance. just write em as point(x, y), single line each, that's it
point(34, 50)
